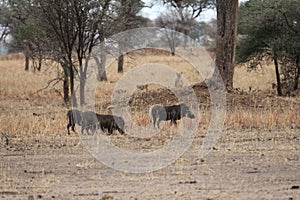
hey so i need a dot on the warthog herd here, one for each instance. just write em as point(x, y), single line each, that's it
point(91, 121)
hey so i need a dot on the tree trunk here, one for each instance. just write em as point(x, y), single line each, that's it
point(121, 55)
point(186, 36)
point(66, 83)
point(227, 12)
point(275, 58)
point(120, 63)
point(101, 64)
point(40, 62)
point(81, 90)
point(101, 76)
point(73, 96)
point(27, 63)
point(296, 81)
point(82, 71)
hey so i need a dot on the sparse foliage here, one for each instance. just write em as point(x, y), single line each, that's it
point(187, 11)
point(170, 29)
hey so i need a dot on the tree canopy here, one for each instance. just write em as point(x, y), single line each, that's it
point(270, 29)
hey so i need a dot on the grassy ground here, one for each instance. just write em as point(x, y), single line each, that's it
point(257, 155)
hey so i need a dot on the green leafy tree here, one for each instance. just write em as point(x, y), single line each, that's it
point(270, 30)
point(27, 33)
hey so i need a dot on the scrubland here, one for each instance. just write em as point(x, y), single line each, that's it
point(256, 156)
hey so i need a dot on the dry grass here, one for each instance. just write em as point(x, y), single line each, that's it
point(258, 80)
point(26, 110)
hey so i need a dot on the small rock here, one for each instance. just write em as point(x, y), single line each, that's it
point(294, 187)
point(30, 197)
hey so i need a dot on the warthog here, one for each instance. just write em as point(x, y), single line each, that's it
point(90, 121)
point(160, 113)
point(87, 120)
point(111, 123)
point(74, 117)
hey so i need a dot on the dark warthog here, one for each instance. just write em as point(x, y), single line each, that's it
point(111, 123)
point(87, 120)
point(74, 117)
point(160, 113)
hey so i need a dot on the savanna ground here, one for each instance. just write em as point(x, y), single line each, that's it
point(256, 157)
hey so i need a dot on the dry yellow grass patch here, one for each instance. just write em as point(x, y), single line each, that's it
point(16, 83)
point(26, 110)
point(260, 79)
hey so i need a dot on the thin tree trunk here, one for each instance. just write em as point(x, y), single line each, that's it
point(40, 62)
point(66, 83)
point(186, 36)
point(81, 91)
point(296, 81)
point(227, 13)
point(275, 58)
point(121, 55)
point(27, 63)
point(73, 96)
point(120, 63)
point(101, 76)
point(82, 71)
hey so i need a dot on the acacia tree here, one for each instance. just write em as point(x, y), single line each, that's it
point(88, 16)
point(188, 11)
point(61, 18)
point(76, 28)
point(170, 29)
point(271, 31)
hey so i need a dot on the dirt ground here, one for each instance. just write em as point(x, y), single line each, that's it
point(248, 165)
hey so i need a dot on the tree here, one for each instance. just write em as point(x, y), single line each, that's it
point(25, 29)
point(208, 32)
point(67, 32)
point(270, 29)
point(127, 18)
point(227, 12)
point(58, 29)
point(188, 11)
point(87, 24)
point(5, 20)
point(61, 18)
point(77, 27)
point(170, 29)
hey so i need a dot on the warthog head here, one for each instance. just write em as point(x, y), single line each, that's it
point(186, 111)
